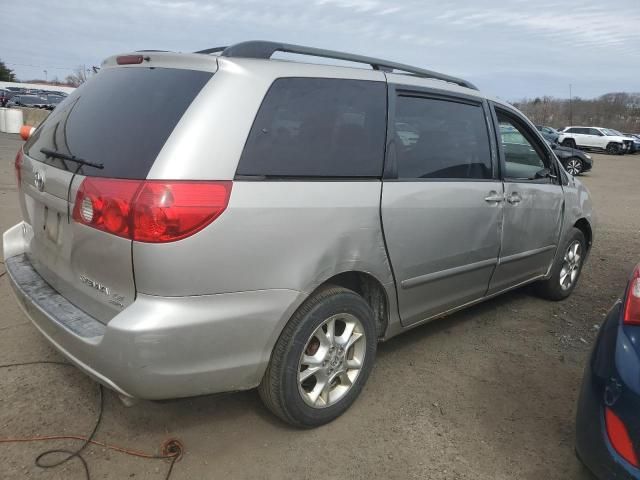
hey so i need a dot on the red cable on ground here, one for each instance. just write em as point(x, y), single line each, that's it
point(171, 449)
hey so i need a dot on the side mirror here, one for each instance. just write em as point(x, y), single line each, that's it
point(544, 173)
point(26, 131)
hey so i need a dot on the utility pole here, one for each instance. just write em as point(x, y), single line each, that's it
point(570, 107)
point(45, 75)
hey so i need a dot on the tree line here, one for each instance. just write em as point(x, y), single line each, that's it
point(76, 78)
point(620, 111)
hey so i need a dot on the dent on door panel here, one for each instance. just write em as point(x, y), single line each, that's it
point(530, 234)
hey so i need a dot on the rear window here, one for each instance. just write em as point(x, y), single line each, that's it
point(121, 118)
point(318, 127)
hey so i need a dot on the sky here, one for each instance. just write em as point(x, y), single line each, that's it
point(511, 49)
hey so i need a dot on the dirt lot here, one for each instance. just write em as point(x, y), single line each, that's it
point(488, 393)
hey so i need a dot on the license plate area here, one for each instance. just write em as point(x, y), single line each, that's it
point(51, 224)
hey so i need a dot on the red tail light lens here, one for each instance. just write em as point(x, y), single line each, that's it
point(619, 437)
point(153, 211)
point(18, 164)
point(631, 315)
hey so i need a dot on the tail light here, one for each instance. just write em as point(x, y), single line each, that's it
point(631, 312)
point(154, 211)
point(18, 165)
point(619, 437)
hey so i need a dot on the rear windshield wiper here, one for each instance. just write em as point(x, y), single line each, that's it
point(71, 158)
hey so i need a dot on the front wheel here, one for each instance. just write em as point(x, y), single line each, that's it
point(322, 359)
point(569, 142)
point(566, 268)
point(574, 166)
point(614, 149)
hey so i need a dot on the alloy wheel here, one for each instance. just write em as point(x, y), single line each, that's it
point(331, 360)
point(571, 265)
point(574, 166)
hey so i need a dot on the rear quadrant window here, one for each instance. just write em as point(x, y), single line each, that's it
point(317, 127)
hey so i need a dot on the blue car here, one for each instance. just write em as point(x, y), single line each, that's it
point(608, 417)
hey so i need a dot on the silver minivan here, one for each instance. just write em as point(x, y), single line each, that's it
point(222, 220)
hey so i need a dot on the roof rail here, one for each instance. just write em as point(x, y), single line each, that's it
point(264, 49)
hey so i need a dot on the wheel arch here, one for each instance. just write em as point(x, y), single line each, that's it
point(370, 289)
point(585, 227)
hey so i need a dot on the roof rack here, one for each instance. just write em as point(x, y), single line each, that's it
point(263, 49)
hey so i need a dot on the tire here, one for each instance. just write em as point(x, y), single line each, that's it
point(569, 142)
point(614, 149)
point(562, 283)
point(574, 166)
point(281, 389)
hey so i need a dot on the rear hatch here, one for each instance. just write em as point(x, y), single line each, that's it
point(121, 118)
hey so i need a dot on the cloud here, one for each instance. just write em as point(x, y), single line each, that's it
point(585, 42)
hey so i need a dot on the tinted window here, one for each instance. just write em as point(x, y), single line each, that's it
point(441, 139)
point(318, 127)
point(522, 160)
point(121, 118)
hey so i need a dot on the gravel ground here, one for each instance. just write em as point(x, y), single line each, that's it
point(488, 393)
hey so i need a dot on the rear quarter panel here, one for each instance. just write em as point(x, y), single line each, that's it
point(274, 235)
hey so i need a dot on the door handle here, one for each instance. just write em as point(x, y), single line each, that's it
point(494, 197)
point(514, 198)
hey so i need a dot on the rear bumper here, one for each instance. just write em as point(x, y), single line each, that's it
point(159, 347)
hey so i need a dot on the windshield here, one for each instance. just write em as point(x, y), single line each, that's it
point(121, 118)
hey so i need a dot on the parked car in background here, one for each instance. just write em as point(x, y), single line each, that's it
point(607, 422)
point(4, 97)
point(316, 232)
point(595, 138)
point(574, 161)
point(635, 145)
point(8, 95)
point(550, 134)
point(636, 140)
point(31, 101)
point(52, 101)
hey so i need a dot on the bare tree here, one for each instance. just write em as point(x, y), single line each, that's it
point(620, 111)
point(77, 78)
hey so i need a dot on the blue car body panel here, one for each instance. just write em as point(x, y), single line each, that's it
point(611, 379)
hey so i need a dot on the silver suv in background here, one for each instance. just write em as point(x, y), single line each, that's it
point(219, 221)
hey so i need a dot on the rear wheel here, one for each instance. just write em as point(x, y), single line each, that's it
point(614, 149)
point(566, 268)
point(569, 142)
point(574, 166)
point(322, 359)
